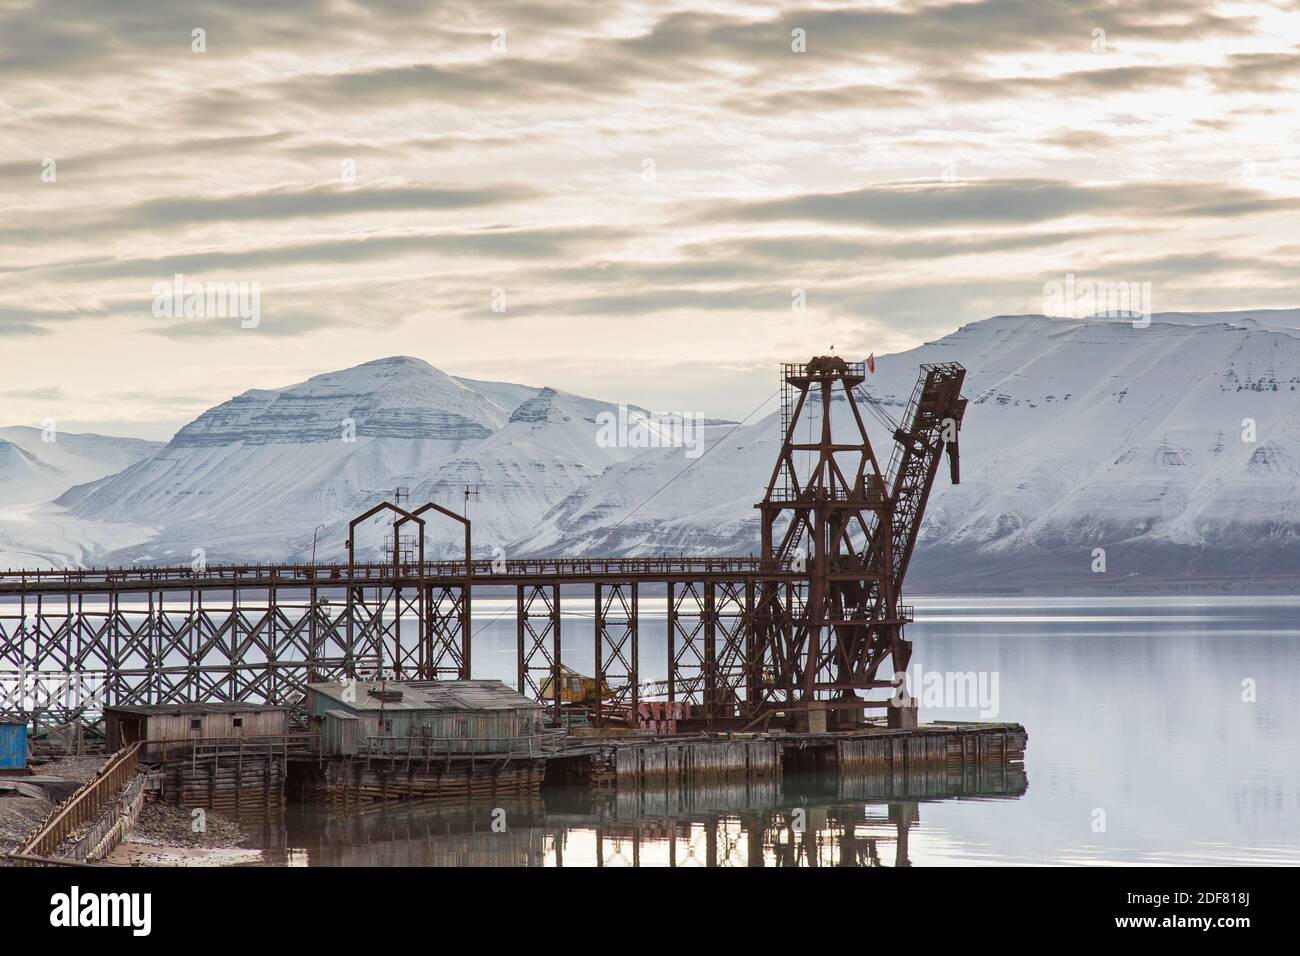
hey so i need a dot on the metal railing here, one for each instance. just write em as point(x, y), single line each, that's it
point(904, 613)
point(80, 808)
point(214, 748)
point(867, 495)
point(257, 576)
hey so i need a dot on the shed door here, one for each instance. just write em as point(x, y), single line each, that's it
point(13, 746)
point(129, 728)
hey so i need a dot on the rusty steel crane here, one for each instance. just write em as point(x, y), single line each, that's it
point(852, 527)
point(799, 634)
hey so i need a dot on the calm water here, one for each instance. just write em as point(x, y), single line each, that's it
point(1134, 710)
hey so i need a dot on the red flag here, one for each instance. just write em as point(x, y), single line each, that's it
point(871, 363)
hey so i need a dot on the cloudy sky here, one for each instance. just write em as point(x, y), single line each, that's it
point(618, 199)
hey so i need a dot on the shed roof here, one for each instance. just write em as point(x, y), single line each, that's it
point(442, 695)
point(156, 710)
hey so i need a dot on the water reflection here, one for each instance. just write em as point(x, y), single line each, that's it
point(802, 822)
point(1178, 717)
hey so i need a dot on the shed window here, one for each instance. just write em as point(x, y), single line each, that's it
point(239, 721)
point(196, 723)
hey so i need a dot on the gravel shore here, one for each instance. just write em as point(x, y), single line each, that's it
point(80, 769)
point(165, 836)
point(161, 824)
point(21, 816)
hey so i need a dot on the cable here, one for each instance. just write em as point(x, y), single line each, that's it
point(689, 464)
point(877, 409)
point(483, 627)
point(738, 425)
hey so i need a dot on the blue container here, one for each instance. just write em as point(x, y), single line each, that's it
point(13, 745)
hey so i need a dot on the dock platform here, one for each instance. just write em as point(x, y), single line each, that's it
point(948, 757)
point(932, 760)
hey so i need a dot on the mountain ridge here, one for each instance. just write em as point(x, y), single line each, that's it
point(1081, 434)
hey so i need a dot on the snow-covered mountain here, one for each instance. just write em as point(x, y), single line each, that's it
point(1174, 447)
point(37, 465)
point(251, 478)
point(254, 477)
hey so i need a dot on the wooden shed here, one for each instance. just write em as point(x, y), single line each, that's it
point(124, 724)
point(459, 717)
point(339, 732)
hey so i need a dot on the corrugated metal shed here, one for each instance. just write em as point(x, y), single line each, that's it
point(150, 710)
point(464, 716)
point(13, 744)
point(445, 695)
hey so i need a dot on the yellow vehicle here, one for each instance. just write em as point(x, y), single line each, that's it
point(574, 688)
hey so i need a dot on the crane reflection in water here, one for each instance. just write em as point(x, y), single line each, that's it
point(800, 822)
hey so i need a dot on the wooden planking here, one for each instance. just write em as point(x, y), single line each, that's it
point(938, 761)
point(247, 791)
point(665, 763)
point(934, 760)
point(353, 782)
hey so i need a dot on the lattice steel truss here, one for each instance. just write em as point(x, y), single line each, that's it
point(537, 616)
point(617, 648)
point(73, 643)
point(811, 619)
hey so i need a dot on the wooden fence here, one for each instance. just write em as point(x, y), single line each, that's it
point(80, 809)
point(111, 827)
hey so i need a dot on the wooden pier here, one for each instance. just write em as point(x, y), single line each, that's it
point(252, 777)
point(689, 762)
point(950, 746)
point(941, 758)
point(351, 781)
point(663, 785)
point(240, 778)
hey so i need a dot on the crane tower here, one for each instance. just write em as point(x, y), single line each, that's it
point(849, 527)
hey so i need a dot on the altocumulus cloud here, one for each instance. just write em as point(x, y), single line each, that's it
point(619, 172)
